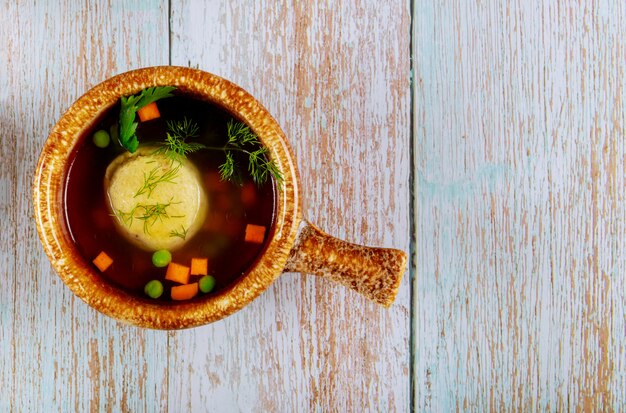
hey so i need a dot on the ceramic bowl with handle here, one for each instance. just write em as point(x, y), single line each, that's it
point(295, 244)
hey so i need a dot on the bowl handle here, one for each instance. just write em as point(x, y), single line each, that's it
point(373, 272)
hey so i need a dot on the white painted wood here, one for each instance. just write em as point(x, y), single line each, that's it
point(57, 354)
point(520, 219)
point(520, 161)
point(304, 345)
point(337, 81)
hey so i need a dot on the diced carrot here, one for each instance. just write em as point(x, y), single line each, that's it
point(199, 266)
point(184, 292)
point(149, 112)
point(103, 261)
point(177, 273)
point(255, 233)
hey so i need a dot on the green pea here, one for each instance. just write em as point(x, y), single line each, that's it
point(101, 139)
point(161, 258)
point(206, 284)
point(153, 289)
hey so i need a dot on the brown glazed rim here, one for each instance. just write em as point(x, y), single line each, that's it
point(81, 276)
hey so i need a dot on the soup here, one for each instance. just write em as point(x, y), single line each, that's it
point(234, 218)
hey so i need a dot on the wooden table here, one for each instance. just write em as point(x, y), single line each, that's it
point(485, 138)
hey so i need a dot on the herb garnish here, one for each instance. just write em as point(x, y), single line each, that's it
point(125, 217)
point(181, 234)
point(241, 139)
point(152, 213)
point(176, 146)
point(129, 107)
point(152, 179)
point(148, 213)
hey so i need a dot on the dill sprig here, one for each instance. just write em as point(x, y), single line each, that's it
point(181, 234)
point(148, 213)
point(125, 217)
point(176, 146)
point(184, 129)
point(152, 213)
point(129, 105)
point(241, 139)
point(153, 178)
point(240, 134)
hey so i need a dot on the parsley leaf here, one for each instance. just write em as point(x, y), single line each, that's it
point(129, 107)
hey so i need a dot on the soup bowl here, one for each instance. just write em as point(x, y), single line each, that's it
point(294, 245)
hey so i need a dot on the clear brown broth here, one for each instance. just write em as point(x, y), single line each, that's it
point(231, 205)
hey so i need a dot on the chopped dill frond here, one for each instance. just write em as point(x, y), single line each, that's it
point(184, 129)
point(181, 234)
point(151, 214)
point(125, 217)
point(239, 134)
point(227, 169)
point(153, 178)
point(176, 146)
point(241, 139)
point(148, 213)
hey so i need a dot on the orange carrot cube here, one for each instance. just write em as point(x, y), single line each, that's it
point(184, 292)
point(255, 233)
point(199, 266)
point(149, 112)
point(177, 273)
point(103, 261)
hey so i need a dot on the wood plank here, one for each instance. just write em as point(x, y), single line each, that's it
point(337, 81)
point(519, 134)
point(57, 353)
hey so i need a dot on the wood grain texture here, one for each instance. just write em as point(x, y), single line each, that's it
point(520, 164)
point(520, 158)
point(337, 82)
point(57, 353)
